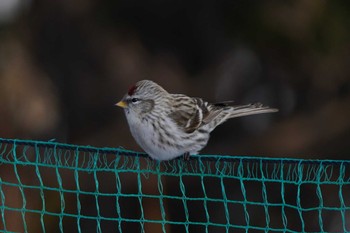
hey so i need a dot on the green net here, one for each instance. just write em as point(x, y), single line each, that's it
point(54, 187)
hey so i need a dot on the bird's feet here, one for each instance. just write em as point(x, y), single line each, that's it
point(186, 156)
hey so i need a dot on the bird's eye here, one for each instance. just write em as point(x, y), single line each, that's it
point(134, 100)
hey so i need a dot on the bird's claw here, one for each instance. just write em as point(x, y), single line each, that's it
point(186, 156)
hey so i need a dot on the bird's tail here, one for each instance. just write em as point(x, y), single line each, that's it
point(250, 109)
point(224, 112)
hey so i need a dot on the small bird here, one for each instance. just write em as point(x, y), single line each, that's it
point(167, 125)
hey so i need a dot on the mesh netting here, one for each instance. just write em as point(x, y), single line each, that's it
point(54, 187)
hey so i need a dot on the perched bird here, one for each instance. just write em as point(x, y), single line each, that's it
point(170, 125)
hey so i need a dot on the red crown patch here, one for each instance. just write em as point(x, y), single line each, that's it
point(131, 90)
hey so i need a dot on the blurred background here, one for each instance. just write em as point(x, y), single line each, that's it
point(64, 64)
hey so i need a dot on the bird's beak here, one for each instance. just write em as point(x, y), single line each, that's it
point(122, 104)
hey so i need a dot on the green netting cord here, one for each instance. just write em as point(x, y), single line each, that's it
point(55, 187)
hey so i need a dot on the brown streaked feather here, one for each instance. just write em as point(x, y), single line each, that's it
point(215, 109)
point(250, 109)
point(213, 112)
point(187, 121)
point(191, 117)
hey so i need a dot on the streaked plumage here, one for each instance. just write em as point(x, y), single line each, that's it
point(170, 125)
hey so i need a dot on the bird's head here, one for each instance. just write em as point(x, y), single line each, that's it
point(142, 97)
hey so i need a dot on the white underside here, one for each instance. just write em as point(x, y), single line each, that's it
point(147, 138)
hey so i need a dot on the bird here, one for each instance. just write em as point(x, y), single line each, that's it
point(167, 126)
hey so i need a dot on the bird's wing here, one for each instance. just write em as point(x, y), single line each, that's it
point(215, 109)
point(191, 113)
